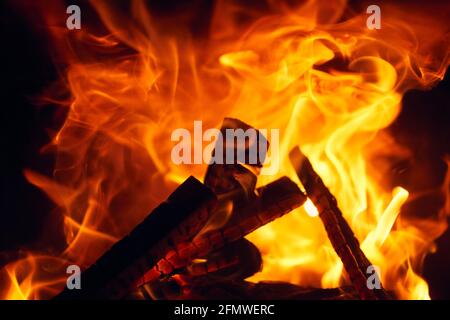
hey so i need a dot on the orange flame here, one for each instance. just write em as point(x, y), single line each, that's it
point(326, 81)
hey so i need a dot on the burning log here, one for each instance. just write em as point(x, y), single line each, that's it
point(235, 261)
point(273, 290)
point(162, 245)
point(173, 288)
point(339, 232)
point(272, 202)
point(176, 220)
point(236, 181)
point(234, 184)
point(190, 249)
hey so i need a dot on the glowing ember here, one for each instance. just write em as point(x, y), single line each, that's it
point(311, 209)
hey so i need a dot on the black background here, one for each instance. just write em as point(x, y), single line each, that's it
point(27, 68)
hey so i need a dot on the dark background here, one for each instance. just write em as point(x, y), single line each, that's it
point(27, 68)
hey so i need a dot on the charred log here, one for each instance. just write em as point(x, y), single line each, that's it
point(176, 220)
point(172, 289)
point(339, 232)
point(235, 261)
point(272, 202)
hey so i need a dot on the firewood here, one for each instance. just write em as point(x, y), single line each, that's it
point(177, 219)
point(235, 261)
point(339, 232)
point(267, 290)
point(273, 201)
point(236, 181)
point(234, 184)
point(172, 288)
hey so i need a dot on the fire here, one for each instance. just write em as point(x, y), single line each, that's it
point(327, 82)
point(310, 209)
